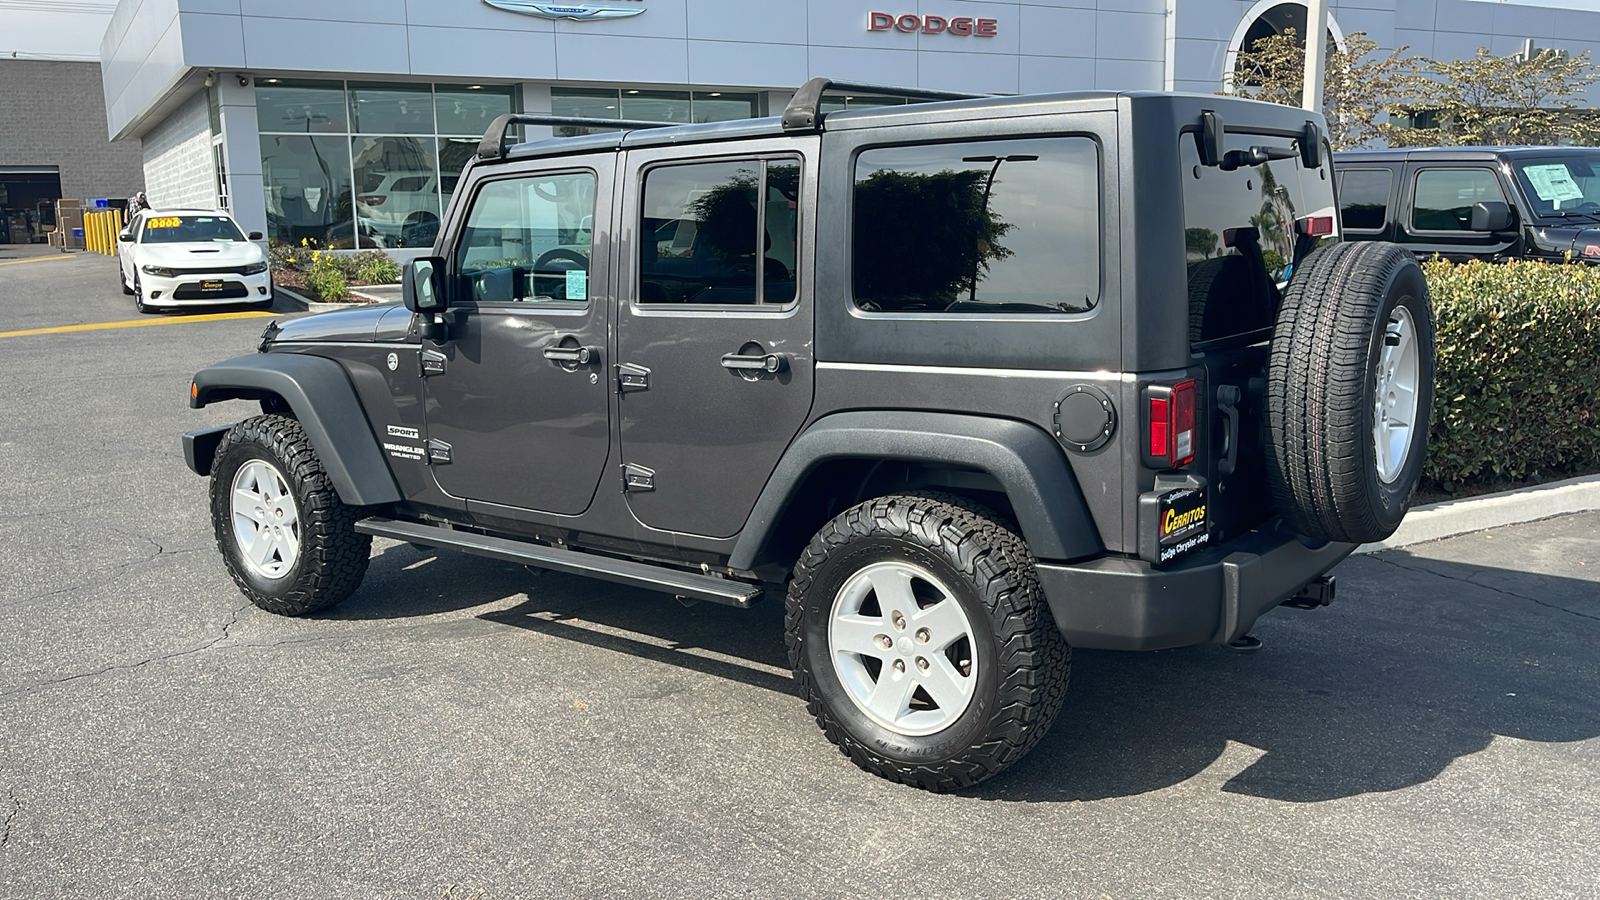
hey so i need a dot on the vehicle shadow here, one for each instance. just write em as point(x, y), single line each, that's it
point(1420, 662)
point(741, 645)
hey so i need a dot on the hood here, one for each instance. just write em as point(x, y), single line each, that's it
point(355, 324)
point(223, 254)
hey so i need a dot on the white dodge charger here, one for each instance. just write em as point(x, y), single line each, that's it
point(186, 257)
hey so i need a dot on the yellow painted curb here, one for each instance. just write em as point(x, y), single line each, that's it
point(136, 323)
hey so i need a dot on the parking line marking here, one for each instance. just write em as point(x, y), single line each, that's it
point(18, 262)
point(135, 323)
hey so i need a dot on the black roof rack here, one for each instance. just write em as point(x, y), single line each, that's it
point(802, 112)
point(493, 145)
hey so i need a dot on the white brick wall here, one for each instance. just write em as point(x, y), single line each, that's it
point(177, 159)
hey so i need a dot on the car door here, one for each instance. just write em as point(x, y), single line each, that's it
point(714, 335)
point(516, 408)
point(1439, 208)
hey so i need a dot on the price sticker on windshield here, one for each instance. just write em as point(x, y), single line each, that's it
point(164, 222)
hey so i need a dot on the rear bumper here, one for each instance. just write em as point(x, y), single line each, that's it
point(1117, 603)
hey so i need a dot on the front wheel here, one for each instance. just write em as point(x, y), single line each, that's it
point(287, 539)
point(921, 641)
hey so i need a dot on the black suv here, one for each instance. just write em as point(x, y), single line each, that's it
point(1489, 203)
point(970, 381)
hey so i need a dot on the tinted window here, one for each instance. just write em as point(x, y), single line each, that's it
point(991, 226)
point(722, 232)
point(183, 229)
point(1444, 197)
point(1234, 282)
point(528, 240)
point(1364, 197)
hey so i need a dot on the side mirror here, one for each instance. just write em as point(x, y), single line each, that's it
point(254, 235)
point(420, 284)
point(126, 237)
point(1491, 215)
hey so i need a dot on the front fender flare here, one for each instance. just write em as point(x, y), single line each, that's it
point(1026, 461)
point(325, 403)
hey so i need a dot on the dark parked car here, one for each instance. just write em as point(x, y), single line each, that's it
point(968, 383)
point(1490, 203)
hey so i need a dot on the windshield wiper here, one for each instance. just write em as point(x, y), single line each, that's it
point(1571, 214)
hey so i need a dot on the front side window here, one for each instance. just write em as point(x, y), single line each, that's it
point(528, 240)
point(189, 229)
point(723, 233)
point(1364, 198)
point(1445, 197)
point(1010, 226)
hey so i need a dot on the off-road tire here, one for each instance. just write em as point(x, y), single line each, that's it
point(333, 557)
point(1321, 377)
point(1023, 664)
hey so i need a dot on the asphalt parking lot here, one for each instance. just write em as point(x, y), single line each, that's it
point(462, 728)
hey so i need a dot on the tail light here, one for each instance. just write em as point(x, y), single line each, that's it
point(1170, 437)
point(374, 199)
point(1316, 226)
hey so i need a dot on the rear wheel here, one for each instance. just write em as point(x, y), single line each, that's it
point(1350, 391)
point(921, 641)
point(288, 541)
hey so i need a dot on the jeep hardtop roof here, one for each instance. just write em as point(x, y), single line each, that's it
point(954, 108)
point(1457, 154)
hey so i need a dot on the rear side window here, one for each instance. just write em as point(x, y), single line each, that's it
point(720, 233)
point(1009, 226)
point(1364, 198)
point(410, 185)
point(1444, 197)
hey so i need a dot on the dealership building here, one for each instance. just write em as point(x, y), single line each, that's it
point(347, 121)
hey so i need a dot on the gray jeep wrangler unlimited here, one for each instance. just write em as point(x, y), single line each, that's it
point(972, 381)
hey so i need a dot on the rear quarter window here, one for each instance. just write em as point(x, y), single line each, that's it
point(1364, 198)
point(1444, 197)
point(988, 227)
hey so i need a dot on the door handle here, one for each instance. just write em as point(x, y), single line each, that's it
point(580, 355)
point(755, 363)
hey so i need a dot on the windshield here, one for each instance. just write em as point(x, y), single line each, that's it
point(1561, 186)
point(186, 229)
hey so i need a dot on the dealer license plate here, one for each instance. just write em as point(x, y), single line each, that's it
point(210, 285)
point(1181, 527)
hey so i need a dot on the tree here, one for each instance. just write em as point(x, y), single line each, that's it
point(1362, 85)
point(1513, 99)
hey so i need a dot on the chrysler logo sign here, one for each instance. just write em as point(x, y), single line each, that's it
point(580, 12)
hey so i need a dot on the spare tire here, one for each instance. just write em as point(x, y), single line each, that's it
point(1350, 391)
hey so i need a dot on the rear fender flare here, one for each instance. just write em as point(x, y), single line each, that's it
point(324, 401)
point(1027, 462)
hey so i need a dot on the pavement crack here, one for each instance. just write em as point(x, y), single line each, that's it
point(1488, 587)
point(13, 808)
point(233, 619)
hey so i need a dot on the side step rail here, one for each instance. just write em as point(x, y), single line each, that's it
point(622, 571)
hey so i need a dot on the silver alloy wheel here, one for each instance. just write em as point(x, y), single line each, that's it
point(1395, 398)
point(266, 522)
point(903, 648)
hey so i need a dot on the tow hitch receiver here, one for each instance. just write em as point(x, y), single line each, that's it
point(1318, 593)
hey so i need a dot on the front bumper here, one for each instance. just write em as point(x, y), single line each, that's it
point(1116, 603)
point(186, 290)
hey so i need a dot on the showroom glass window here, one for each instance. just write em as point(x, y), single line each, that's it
point(987, 227)
point(649, 106)
point(365, 165)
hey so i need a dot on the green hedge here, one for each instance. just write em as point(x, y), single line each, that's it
point(1518, 394)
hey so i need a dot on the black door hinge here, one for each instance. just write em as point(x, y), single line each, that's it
point(432, 362)
point(438, 452)
point(637, 478)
